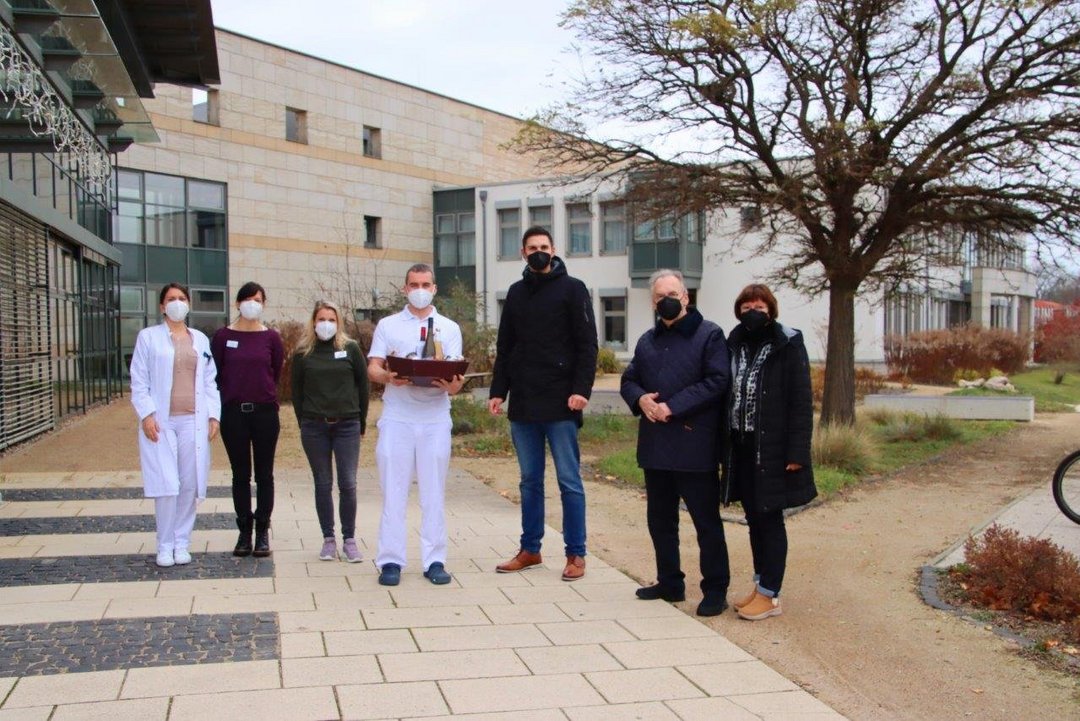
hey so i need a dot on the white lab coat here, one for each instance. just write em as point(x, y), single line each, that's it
point(151, 389)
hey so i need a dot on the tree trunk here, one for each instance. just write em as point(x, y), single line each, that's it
point(838, 405)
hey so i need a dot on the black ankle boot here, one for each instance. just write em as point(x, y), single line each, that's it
point(243, 543)
point(262, 539)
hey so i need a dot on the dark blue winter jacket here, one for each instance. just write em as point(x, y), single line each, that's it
point(688, 365)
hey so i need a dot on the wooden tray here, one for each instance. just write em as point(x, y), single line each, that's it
point(423, 371)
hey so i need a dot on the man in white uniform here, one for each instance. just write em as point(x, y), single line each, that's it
point(414, 429)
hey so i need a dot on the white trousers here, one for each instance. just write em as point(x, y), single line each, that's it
point(176, 514)
point(405, 449)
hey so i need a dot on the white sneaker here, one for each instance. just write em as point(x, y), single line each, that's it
point(165, 559)
point(181, 556)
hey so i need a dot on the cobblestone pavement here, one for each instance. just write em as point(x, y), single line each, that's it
point(127, 567)
point(102, 524)
point(37, 649)
point(89, 628)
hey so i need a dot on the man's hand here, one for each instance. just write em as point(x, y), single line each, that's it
point(651, 409)
point(495, 406)
point(451, 387)
point(793, 467)
point(577, 402)
point(215, 426)
point(393, 380)
point(150, 428)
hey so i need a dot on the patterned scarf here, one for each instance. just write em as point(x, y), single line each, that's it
point(747, 379)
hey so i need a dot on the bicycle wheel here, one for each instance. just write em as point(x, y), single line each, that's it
point(1067, 487)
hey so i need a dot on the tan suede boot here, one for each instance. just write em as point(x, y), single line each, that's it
point(745, 599)
point(760, 608)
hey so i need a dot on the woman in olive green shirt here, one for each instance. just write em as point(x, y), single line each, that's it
point(330, 397)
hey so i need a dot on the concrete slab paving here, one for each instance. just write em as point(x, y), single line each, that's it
point(487, 646)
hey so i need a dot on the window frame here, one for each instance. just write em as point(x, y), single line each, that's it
point(300, 123)
point(371, 142)
point(580, 222)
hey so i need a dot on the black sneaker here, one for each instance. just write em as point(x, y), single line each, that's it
point(712, 605)
point(657, 592)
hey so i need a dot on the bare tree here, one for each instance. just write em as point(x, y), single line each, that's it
point(860, 128)
point(358, 279)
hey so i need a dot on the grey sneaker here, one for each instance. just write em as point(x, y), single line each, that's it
point(352, 553)
point(329, 550)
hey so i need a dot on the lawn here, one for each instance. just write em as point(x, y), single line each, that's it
point(1039, 383)
point(885, 443)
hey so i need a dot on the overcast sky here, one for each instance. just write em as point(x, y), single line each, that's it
point(505, 55)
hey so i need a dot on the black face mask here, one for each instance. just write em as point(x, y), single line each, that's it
point(668, 308)
point(538, 260)
point(754, 320)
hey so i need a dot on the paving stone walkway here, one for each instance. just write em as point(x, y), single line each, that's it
point(90, 629)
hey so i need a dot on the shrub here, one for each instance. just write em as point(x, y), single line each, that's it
point(1058, 340)
point(940, 428)
point(935, 356)
point(867, 382)
point(845, 448)
point(1009, 572)
point(606, 361)
point(879, 416)
point(471, 416)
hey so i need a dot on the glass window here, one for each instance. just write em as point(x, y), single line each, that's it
point(466, 222)
point(129, 329)
point(164, 189)
point(372, 232)
point(128, 185)
point(295, 125)
point(200, 105)
point(131, 299)
point(541, 216)
point(579, 222)
point(204, 300)
point(613, 310)
point(444, 224)
point(165, 265)
point(467, 249)
point(206, 195)
point(613, 227)
point(127, 223)
point(208, 267)
point(448, 255)
point(206, 229)
point(372, 142)
point(509, 233)
point(132, 265)
point(164, 226)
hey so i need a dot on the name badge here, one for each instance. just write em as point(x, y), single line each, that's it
point(341, 354)
point(232, 344)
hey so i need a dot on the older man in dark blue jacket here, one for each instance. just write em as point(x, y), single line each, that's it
point(675, 382)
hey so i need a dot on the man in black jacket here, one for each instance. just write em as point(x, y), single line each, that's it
point(675, 383)
point(545, 360)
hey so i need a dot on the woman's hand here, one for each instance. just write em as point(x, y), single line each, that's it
point(215, 426)
point(150, 428)
point(793, 467)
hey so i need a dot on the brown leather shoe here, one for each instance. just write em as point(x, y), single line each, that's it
point(575, 568)
point(524, 559)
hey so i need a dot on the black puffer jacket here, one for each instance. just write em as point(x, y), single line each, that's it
point(546, 347)
point(784, 425)
point(687, 364)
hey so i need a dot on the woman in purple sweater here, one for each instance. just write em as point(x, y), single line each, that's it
point(249, 357)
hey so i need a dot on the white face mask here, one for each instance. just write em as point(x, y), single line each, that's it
point(420, 298)
point(251, 309)
point(326, 329)
point(176, 310)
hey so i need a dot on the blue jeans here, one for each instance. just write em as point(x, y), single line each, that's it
point(562, 438)
point(327, 443)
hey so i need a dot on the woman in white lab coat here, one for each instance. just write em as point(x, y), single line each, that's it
point(175, 395)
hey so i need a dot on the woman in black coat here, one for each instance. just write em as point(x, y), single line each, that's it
point(771, 422)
